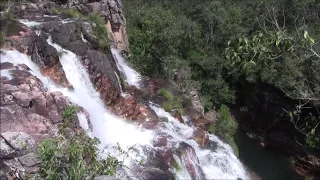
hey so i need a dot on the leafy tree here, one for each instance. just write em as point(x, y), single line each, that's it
point(218, 47)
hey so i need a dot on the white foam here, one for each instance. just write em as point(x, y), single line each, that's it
point(219, 164)
point(38, 32)
point(111, 130)
point(83, 122)
point(50, 16)
point(83, 39)
point(65, 21)
point(132, 77)
point(29, 23)
point(6, 73)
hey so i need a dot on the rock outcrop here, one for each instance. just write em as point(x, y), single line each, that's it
point(30, 113)
point(112, 12)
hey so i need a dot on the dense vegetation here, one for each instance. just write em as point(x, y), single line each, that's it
point(223, 48)
point(73, 155)
point(226, 127)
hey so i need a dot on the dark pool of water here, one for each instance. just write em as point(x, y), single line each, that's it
point(264, 163)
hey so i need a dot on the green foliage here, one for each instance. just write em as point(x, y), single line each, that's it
point(218, 47)
point(171, 102)
point(67, 12)
point(99, 30)
point(158, 38)
point(67, 116)
point(1, 38)
point(50, 163)
point(226, 124)
point(9, 16)
point(230, 140)
point(165, 93)
point(69, 112)
point(6, 4)
point(73, 159)
point(225, 127)
point(164, 119)
point(176, 165)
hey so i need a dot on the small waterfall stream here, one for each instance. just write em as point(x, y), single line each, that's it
point(221, 163)
point(114, 132)
point(132, 77)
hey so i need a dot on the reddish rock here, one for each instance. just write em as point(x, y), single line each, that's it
point(197, 118)
point(189, 159)
point(161, 141)
point(57, 74)
point(200, 137)
point(129, 100)
point(168, 156)
point(177, 115)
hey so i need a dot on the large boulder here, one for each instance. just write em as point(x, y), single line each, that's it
point(20, 141)
point(6, 151)
point(188, 157)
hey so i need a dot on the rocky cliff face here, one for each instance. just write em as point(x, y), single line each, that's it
point(111, 10)
point(30, 113)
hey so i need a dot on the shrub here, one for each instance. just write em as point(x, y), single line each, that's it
point(1, 38)
point(67, 116)
point(176, 165)
point(100, 30)
point(225, 127)
point(171, 102)
point(226, 124)
point(75, 157)
point(67, 12)
point(50, 163)
point(165, 93)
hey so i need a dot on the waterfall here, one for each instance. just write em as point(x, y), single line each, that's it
point(114, 132)
point(132, 77)
point(105, 125)
point(30, 23)
point(119, 82)
point(221, 163)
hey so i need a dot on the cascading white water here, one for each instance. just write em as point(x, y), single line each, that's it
point(105, 125)
point(112, 131)
point(132, 77)
point(30, 23)
point(218, 164)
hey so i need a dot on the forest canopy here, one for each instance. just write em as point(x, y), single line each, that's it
point(220, 47)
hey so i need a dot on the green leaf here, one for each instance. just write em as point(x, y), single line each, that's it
point(305, 34)
point(311, 40)
point(313, 131)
